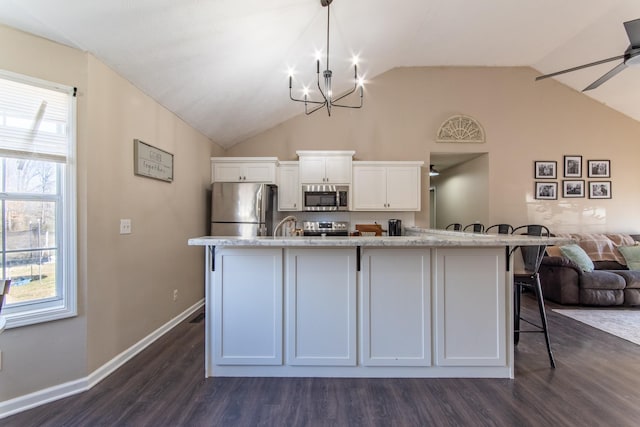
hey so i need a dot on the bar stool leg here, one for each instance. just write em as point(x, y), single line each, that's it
point(517, 290)
point(543, 318)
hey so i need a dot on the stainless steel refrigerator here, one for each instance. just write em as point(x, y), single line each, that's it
point(242, 209)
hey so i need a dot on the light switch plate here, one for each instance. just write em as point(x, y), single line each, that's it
point(125, 226)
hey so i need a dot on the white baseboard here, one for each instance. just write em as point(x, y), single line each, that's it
point(28, 401)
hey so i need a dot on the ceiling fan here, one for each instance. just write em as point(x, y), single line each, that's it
point(631, 56)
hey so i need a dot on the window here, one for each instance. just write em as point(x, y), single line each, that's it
point(37, 199)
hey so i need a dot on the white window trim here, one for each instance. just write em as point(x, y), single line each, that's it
point(67, 306)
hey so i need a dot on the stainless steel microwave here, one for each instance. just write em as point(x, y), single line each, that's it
point(323, 197)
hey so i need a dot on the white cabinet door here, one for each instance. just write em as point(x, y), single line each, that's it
point(403, 188)
point(338, 170)
point(260, 172)
point(396, 307)
point(248, 307)
point(386, 188)
point(325, 170)
point(237, 171)
point(470, 311)
point(321, 307)
point(312, 170)
point(228, 172)
point(369, 188)
point(289, 191)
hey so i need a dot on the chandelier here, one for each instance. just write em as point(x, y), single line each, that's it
point(327, 100)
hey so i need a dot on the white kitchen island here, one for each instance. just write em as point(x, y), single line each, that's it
point(430, 304)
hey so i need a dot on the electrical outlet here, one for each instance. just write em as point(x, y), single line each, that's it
point(125, 226)
point(175, 294)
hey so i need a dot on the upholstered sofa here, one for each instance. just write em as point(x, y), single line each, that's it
point(565, 281)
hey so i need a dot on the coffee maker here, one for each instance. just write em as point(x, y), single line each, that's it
point(395, 227)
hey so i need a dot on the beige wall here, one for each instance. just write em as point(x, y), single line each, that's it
point(132, 277)
point(125, 283)
point(524, 121)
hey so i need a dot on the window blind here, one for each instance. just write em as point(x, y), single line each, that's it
point(34, 119)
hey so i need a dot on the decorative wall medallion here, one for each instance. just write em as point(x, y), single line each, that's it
point(460, 128)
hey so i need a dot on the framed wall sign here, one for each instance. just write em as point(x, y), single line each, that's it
point(151, 162)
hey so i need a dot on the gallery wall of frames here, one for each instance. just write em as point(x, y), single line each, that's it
point(597, 184)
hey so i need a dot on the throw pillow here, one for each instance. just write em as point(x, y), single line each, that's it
point(632, 255)
point(576, 254)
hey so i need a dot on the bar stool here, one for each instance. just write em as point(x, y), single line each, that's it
point(499, 228)
point(530, 279)
point(476, 227)
point(456, 226)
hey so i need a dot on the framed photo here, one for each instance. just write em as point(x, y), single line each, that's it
point(599, 189)
point(546, 190)
point(573, 167)
point(573, 188)
point(545, 169)
point(599, 169)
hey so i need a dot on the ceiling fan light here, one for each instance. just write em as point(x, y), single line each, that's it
point(633, 60)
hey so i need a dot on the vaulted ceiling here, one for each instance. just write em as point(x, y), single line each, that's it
point(222, 65)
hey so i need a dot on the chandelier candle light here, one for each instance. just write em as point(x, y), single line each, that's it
point(327, 95)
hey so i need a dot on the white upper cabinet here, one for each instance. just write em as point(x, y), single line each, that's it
point(289, 194)
point(386, 186)
point(244, 169)
point(325, 167)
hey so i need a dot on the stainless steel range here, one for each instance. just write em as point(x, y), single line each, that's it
point(325, 228)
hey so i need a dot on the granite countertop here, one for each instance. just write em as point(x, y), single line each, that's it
point(414, 237)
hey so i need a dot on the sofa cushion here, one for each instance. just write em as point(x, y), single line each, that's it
point(631, 277)
point(632, 256)
point(601, 296)
point(598, 279)
point(576, 254)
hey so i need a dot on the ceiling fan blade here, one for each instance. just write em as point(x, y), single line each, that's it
point(633, 32)
point(580, 67)
point(615, 70)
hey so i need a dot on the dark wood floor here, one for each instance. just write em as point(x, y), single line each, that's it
point(596, 383)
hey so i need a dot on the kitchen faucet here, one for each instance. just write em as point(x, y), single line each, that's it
point(281, 223)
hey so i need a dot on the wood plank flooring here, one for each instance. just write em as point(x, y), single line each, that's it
point(596, 383)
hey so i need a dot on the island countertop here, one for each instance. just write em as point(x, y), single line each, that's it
point(414, 237)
